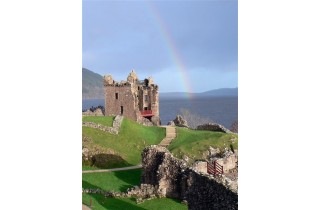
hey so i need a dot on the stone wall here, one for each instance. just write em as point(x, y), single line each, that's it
point(96, 112)
point(200, 167)
point(205, 193)
point(117, 122)
point(114, 129)
point(160, 168)
point(100, 127)
point(230, 162)
point(213, 127)
point(173, 179)
point(125, 99)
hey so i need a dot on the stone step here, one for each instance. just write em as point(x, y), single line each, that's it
point(170, 135)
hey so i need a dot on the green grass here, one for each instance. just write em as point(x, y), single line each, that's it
point(112, 181)
point(194, 143)
point(106, 121)
point(120, 181)
point(99, 202)
point(123, 149)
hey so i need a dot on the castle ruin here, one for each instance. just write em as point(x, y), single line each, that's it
point(135, 99)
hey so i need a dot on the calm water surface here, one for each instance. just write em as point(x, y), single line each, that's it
point(222, 110)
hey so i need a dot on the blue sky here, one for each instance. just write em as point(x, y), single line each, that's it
point(184, 45)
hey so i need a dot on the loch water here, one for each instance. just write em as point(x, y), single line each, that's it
point(222, 110)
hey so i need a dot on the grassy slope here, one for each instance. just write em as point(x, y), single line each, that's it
point(99, 202)
point(112, 181)
point(193, 142)
point(128, 145)
point(106, 121)
point(120, 181)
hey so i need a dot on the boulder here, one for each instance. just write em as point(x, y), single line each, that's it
point(180, 121)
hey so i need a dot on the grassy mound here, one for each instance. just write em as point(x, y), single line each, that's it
point(118, 150)
point(194, 143)
point(120, 181)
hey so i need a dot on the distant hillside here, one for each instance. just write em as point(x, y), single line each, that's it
point(211, 93)
point(222, 92)
point(92, 85)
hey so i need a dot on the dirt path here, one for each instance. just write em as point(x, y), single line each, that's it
point(170, 135)
point(84, 207)
point(112, 169)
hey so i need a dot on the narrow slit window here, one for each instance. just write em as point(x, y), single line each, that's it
point(116, 95)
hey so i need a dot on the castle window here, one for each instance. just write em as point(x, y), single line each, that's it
point(146, 97)
point(116, 95)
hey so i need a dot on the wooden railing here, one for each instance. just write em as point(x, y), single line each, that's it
point(214, 168)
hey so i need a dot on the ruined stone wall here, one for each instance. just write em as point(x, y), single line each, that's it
point(155, 162)
point(205, 193)
point(114, 129)
point(125, 99)
point(213, 127)
point(173, 179)
point(97, 112)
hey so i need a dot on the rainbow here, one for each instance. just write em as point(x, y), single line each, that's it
point(172, 48)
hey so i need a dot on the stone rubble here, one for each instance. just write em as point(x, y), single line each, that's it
point(96, 112)
point(213, 127)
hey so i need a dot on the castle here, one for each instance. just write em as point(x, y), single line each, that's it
point(135, 99)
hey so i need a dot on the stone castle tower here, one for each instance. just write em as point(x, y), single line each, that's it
point(135, 99)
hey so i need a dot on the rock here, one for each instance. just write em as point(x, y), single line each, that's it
point(200, 166)
point(171, 123)
point(214, 152)
point(229, 162)
point(213, 127)
point(156, 120)
point(145, 121)
point(180, 121)
point(87, 113)
point(185, 158)
point(85, 153)
point(98, 112)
